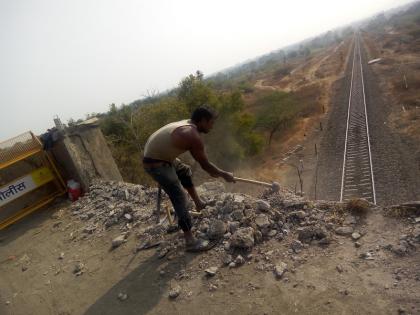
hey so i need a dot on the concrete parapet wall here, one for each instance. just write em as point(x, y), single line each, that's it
point(83, 154)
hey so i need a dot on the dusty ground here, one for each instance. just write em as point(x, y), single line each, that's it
point(320, 280)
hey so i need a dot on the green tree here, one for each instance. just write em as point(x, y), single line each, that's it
point(278, 110)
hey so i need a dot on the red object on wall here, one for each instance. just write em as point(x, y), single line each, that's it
point(73, 189)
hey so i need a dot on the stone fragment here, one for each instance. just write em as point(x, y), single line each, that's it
point(89, 229)
point(262, 221)
point(212, 287)
point(399, 250)
point(296, 245)
point(344, 230)
point(297, 215)
point(233, 226)
point(357, 244)
point(61, 257)
point(128, 217)
point(355, 235)
point(122, 296)
point(217, 229)
point(239, 260)
point(309, 233)
point(118, 241)
point(237, 215)
point(272, 233)
point(339, 268)
point(243, 238)
point(211, 272)
point(280, 269)
point(262, 205)
point(350, 220)
point(232, 265)
point(78, 269)
point(227, 259)
point(174, 292)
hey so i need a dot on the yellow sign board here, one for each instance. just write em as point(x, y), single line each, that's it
point(25, 184)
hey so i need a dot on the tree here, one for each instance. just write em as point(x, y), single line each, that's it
point(278, 109)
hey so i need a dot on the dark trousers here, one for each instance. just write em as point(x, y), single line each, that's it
point(172, 177)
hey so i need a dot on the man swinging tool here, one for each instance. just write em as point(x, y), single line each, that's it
point(161, 163)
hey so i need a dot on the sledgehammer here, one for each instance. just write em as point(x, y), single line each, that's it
point(274, 185)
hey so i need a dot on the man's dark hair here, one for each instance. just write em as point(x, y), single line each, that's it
point(203, 112)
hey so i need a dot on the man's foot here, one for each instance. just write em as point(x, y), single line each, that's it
point(200, 204)
point(196, 245)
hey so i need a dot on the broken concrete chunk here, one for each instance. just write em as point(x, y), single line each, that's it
point(296, 245)
point(239, 260)
point(280, 269)
point(211, 272)
point(118, 241)
point(122, 296)
point(217, 229)
point(344, 230)
point(262, 205)
point(174, 292)
point(237, 215)
point(243, 238)
point(262, 221)
point(355, 236)
point(309, 233)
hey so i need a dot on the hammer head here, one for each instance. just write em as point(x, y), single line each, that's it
point(275, 186)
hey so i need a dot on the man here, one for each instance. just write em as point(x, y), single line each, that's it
point(161, 163)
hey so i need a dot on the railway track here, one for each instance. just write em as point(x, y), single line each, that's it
point(357, 176)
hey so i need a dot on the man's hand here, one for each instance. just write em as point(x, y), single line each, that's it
point(228, 177)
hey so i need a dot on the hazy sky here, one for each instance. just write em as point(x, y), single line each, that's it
point(73, 57)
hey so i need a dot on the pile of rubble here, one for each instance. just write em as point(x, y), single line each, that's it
point(115, 204)
point(239, 221)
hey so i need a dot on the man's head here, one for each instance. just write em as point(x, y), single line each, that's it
point(204, 117)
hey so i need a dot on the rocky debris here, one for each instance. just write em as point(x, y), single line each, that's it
point(243, 238)
point(356, 235)
point(239, 260)
point(344, 230)
point(78, 269)
point(367, 256)
point(339, 268)
point(296, 246)
point(227, 259)
point(116, 242)
point(61, 257)
point(239, 221)
point(262, 221)
point(122, 296)
point(114, 203)
point(216, 230)
point(280, 269)
point(174, 292)
point(310, 233)
point(211, 272)
point(262, 205)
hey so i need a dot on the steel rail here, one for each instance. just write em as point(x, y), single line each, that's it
point(357, 179)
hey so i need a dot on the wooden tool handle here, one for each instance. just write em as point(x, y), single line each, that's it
point(251, 181)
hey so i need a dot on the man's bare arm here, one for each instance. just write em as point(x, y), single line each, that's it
point(199, 154)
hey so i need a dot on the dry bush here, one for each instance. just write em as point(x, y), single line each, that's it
point(402, 211)
point(358, 207)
